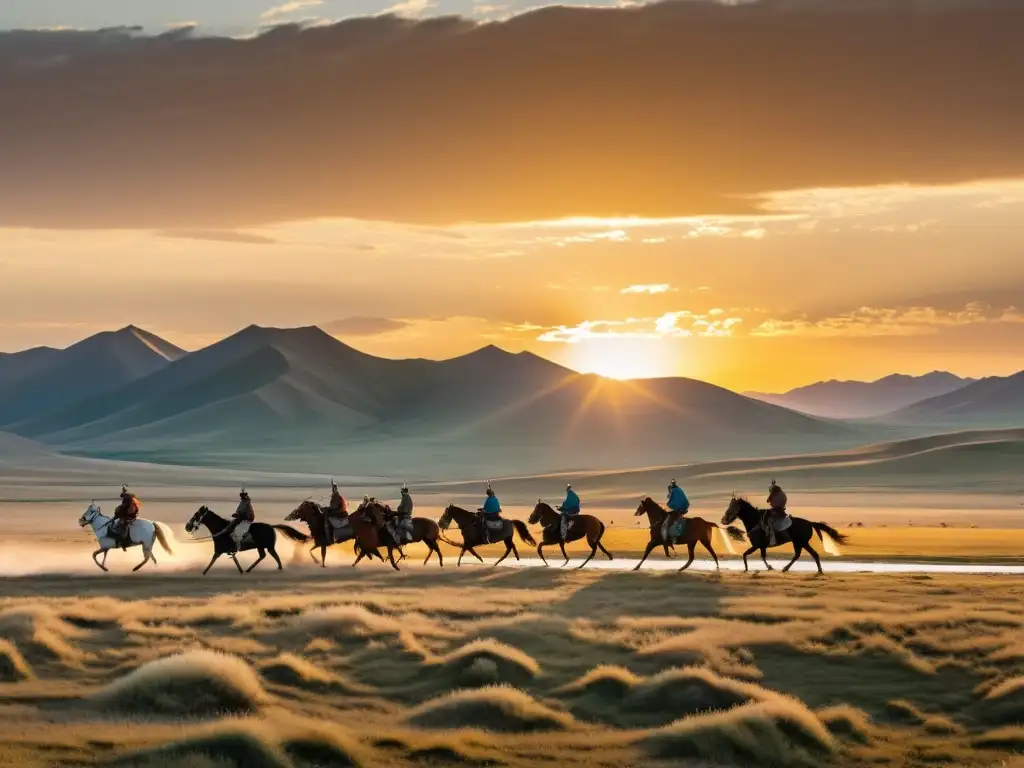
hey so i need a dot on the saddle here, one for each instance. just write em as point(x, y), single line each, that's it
point(338, 526)
point(676, 530)
point(494, 530)
point(778, 524)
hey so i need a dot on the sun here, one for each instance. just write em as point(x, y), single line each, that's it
point(621, 358)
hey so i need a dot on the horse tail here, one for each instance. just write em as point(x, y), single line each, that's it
point(164, 535)
point(736, 533)
point(523, 531)
point(726, 541)
point(291, 533)
point(830, 538)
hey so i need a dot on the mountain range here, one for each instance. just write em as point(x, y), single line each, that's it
point(300, 400)
point(864, 399)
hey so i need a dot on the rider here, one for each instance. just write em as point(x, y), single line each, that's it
point(335, 511)
point(678, 505)
point(124, 516)
point(491, 510)
point(777, 501)
point(244, 517)
point(403, 516)
point(569, 509)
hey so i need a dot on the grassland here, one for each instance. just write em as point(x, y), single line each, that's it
point(308, 668)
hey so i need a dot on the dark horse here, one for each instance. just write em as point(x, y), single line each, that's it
point(473, 533)
point(697, 530)
point(581, 525)
point(260, 537)
point(800, 532)
point(370, 533)
point(423, 530)
point(313, 515)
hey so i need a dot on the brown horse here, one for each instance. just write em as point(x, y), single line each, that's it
point(582, 525)
point(368, 527)
point(423, 530)
point(313, 515)
point(697, 530)
point(473, 532)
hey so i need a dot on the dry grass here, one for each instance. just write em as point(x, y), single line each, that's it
point(192, 684)
point(494, 667)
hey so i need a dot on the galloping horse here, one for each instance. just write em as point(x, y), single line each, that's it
point(697, 530)
point(142, 532)
point(474, 536)
point(423, 529)
point(800, 532)
point(369, 532)
point(312, 514)
point(581, 525)
point(261, 537)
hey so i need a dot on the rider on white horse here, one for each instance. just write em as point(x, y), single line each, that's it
point(124, 517)
point(143, 532)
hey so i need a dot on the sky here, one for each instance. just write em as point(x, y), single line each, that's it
point(758, 195)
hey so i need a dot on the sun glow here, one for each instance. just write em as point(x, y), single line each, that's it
point(622, 358)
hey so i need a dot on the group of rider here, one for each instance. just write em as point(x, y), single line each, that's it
point(399, 522)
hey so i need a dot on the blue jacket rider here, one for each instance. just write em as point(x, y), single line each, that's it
point(678, 505)
point(491, 507)
point(571, 505)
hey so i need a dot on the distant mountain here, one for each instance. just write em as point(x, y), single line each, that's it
point(996, 401)
point(864, 399)
point(300, 392)
point(41, 380)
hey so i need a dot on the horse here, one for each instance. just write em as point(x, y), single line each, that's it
point(261, 537)
point(371, 532)
point(423, 530)
point(800, 533)
point(313, 515)
point(473, 536)
point(141, 531)
point(697, 530)
point(581, 525)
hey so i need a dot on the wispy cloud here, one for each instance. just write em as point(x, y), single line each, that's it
point(889, 321)
point(679, 324)
point(411, 8)
point(652, 289)
point(220, 236)
point(290, 7)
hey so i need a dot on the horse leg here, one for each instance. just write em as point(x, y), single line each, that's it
point(508, 551)
point(101, 565)
point(212, 561)
point(540, 553)
point(764, 558)
point(359, 557)
point(817, 560)
point(263, 553)
point(593, 551)
point(711, 549)
point(430, 552)
point(473, 552)
point(437, 548)
point(515, 551)
point(312, 556)
point(146, 554)
point(746, 567)
point(561, 546)
point(601, 547)
point(238, 565)
point(691, 546)
point(668, 554)
point(273, 554)
point(391, 557)
point(459, 563)
point(647, 551)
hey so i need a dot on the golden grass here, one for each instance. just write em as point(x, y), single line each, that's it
point(512, 668)
point(191, 684)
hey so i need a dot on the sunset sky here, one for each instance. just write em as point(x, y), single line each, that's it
point(760, 195)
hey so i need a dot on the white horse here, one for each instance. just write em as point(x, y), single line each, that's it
point(143, 532)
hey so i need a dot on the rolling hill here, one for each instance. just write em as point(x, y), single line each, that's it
point(41, 380)
point(864, 399)
point(266, 395)
point(996, 401)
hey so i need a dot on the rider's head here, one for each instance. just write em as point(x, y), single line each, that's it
point(243, 495)
point(334, 485)
point(490, 491)
point(672, 484)
point(405, 488)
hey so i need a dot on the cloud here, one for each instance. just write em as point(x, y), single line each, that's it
point(669, 325)
point(286, 8)
point(220, 236)
point(447, 120)
point(411, 8)
point(651, 289)
point(890, 321)
point(363, 326)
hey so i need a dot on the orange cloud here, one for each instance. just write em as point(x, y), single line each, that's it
point(449, 120)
